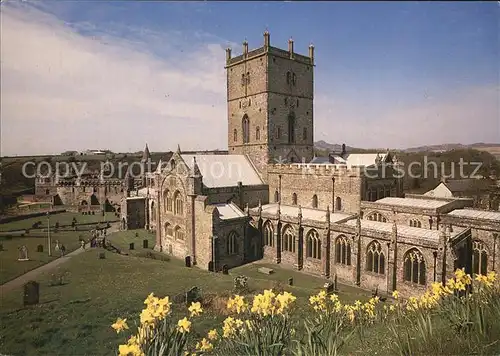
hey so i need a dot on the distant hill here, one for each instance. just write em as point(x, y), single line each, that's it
point(493, 148)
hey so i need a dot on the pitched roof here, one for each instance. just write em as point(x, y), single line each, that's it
point(476, 214)
point(224, 170)
point(229, 211)
point(413, 202)
point(464, 185)
point(307, 213)
point(352, 159)
point(146, 155)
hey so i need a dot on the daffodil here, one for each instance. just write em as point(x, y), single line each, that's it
point(395, 294)
point(120, 325)
point(195, 309)
point(183, 325)
point(212, 334)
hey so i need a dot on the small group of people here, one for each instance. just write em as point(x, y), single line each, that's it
point(95, 242)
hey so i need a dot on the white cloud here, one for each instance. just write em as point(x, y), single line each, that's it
point(62, 90)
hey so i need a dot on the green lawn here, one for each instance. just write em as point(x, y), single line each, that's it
point(63, 219)
point(75, 318)
point(10, 267)
point(122, 240)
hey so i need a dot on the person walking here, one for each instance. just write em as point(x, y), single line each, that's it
point(63, 250)
point(82, 243)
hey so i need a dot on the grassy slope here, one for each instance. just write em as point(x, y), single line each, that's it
point(10, 267)
point(75, 318)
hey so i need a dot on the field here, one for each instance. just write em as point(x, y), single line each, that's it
point(75, 318)
point(13, 236)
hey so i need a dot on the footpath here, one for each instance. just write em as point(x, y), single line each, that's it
point(31, 275)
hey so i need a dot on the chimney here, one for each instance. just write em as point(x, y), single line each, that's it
point(267, 39)
point(228, 54)
point(311, 53)
point(245, 48)
point(290, 47)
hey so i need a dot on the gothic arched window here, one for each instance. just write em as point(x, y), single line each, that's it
point(288, 239)
point(276, 196)
point(313, 245)
point(375, 259)
point(414, 267)
point(479, 258)
point(268, 234)
point(294, 199)
point(246, 129)
point(235, 135)
point(343, 251)
point(257, 133)
point(178, 233)
point(304, 134)
point(288, 77)
point(232, 243)
point(179, 205)
point(338, 204)
point(315, 201)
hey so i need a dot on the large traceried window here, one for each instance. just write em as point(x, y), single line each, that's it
point(246, 129)
point(268, 234)
point(343, 251)
point(479, 258)
point(232, 243)
point(167, 201)
point(179, 204)
point(375, 259)
point(313, 245)
point(414, 267)
point(288, 239)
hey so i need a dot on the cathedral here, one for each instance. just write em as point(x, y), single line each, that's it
point(269, 198)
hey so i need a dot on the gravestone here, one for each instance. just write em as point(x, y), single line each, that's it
point(23, 254)
point(39, 248)
point(329, 287)
point(131, 247)
point(266, 270)
point(58, 247)
point(211, 266)
point(335, 289)
point(144, 243)
point(188, 261)
point(193, 295)
point(102, 255)
point(225, 269)
point(31, 293)
point(290, 281)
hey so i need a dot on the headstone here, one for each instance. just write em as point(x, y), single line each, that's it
point(58, 247)
point(39, 248)
point(266, 270)
point(211, 266)
point(144, 243)
point(241, 283)
point(328, 286)
point(335, 289)
point(102, 255)
point(193, 295)
point(188, 261)
point(23, 254)
point(290, 281)
point(131, 247)
point(225, 269)
point(31, 293)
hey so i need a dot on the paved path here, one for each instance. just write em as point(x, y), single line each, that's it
point(31, 275)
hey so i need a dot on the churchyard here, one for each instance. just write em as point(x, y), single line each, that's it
point(65, 229)
point(80, 299)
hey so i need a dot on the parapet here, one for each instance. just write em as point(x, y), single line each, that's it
point(315, 169)
point(267, 48)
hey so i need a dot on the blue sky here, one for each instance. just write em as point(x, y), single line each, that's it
point(387, 74)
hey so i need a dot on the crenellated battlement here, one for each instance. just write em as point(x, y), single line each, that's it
point(315, 169)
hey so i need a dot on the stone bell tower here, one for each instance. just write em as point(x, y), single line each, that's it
point(270, 96)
